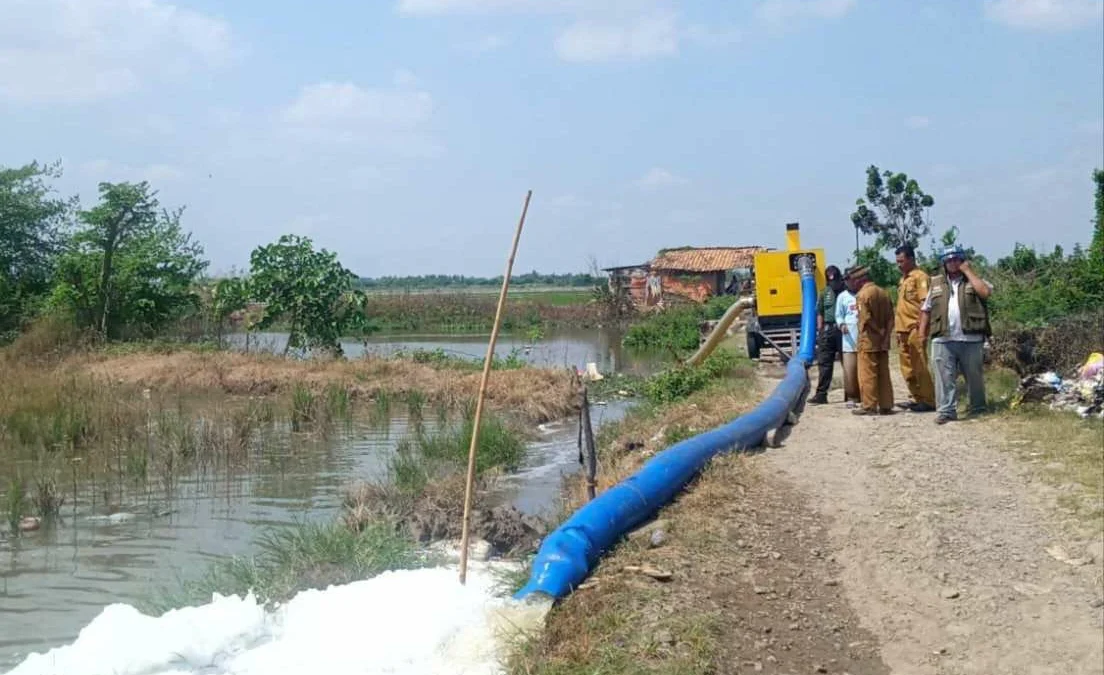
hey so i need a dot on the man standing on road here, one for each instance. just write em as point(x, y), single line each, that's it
point(828, 335)
point(875, 337)
point(847, 318)
point(956, 313)
point(911, 293)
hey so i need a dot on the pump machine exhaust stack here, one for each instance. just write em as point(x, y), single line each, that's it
point(775, 321)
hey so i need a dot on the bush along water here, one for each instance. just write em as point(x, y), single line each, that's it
point(680, 381)
point(676, 328)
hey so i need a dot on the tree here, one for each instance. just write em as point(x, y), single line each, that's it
point(1094, 261)
point(227, 296)
point(130, 269)
point(32, 223)
point(309, 289)
point(882, 272)
point(894, 209)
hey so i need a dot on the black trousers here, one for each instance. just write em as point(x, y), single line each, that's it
point(828, 348)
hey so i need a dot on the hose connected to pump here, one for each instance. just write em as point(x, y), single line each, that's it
point(569, 552)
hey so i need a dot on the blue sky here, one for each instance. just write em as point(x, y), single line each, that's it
point(404, 133)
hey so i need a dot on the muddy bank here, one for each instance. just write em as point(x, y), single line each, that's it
point(537, 395)
point(434, 514)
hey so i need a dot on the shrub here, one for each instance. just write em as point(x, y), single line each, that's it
point(680, 381)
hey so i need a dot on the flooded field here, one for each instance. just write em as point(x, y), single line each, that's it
point(130, 539)
point(559, 348)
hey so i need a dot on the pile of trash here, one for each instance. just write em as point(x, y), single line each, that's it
point(1082, 393)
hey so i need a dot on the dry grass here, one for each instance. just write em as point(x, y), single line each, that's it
point(622, 625)
point(1066, 451)
point(537, 395)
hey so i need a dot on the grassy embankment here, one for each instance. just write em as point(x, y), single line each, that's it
point(624, 622)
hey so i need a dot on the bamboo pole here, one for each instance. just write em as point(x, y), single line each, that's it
point(487, 361)
point(591, 456)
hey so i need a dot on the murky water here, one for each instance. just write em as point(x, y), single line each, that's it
point(133, 544)
point(559, 348)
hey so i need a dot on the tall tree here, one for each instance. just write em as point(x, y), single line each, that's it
point(894, 209)
point(32, 223)
point(1095, 259)
point(130, 268)
point(309, 289)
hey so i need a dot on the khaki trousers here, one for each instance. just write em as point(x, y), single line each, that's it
point(914, 367)
point(875, 387)
point(850, 376)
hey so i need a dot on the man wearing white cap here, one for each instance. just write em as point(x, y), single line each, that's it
point(956, 314)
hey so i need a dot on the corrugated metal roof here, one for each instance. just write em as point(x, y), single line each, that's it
point(711, 259)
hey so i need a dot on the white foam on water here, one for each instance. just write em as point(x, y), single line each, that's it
point(410, 622)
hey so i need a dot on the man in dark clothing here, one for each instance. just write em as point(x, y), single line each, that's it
point(829, 342)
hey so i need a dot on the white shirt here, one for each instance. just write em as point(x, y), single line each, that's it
point(954, 316)
point(847, 314)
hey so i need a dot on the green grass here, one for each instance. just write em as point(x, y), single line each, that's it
point(680, 381)
point(298, 558)
point(500, 446)
point(553, 297)
point(422, 457)
point(675, 329)
point(15, 502)
point(1065, 448)
point(440, 359)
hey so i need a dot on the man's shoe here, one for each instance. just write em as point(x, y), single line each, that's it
point(943, 419)
point(905, 405)
point(921, 408)
point(818, 399)
point(864, 411)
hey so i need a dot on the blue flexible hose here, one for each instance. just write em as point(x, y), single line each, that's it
point(569, 552)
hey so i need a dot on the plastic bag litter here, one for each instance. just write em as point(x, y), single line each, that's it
point(1082, 393)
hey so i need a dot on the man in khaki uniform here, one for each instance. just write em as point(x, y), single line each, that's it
point(911, 293)
point(875, 338)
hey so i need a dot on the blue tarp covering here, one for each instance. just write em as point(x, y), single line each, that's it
point(570, 551)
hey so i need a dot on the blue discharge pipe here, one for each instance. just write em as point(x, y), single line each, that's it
point(570, 551)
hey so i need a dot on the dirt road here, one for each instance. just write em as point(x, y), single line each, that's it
point(950, 553)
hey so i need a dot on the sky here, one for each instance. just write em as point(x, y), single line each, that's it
point(403, 134)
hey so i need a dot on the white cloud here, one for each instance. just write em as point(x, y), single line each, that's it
point(642, 37)
point(783, 11)
point(346, 105)
point(659, 178)
point(81, 50)
point(611, 30)
point(106, 170)
point(343, 112)
point(917, 122)
point(1045, 14)
point(429, 7)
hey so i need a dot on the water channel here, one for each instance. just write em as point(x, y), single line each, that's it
point(131, 545)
